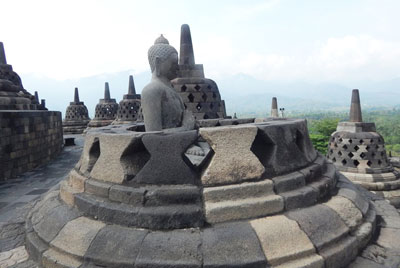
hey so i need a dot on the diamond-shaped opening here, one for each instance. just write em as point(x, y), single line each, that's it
point(197, 87)
point(339, 153)
point(183, 88)
point(340, 140)
point(350, 155)
point(94, 154)
point(367, 148)
point(361, 141)
point(204, 97)
point(334, 160)
point(356, 148)
point(379, 162)
point(331, 151)
point(377, 146)
point(206, 116)
point(198, 107)
point(356, 163)
point(335, 144)
point(263, 147)
point(191, 97)
point(373, 154)
point(371, 140)
point(382, 153)
point(379, 140)
point(214, 95)
point(198, 154)
point(369, 163)
point(344, 162)
point(345, 147)
point(350, 141)
point(211, 105)
point(332, 139)
point(362, 155)
point(133, 158)
point(209, 86)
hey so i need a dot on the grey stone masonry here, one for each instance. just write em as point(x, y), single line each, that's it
point(199, 94)
point(27, 140)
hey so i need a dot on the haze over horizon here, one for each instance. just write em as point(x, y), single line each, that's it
point(285, 45)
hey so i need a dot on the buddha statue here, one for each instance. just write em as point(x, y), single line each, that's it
point(162, 106)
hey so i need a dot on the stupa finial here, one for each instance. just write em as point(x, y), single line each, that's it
point(36, 97)
point(76, 95)
point(186, 55)
point(3, 59)
point(274, 107)
point(132, 90)
point(355, 109)
point(107, 92)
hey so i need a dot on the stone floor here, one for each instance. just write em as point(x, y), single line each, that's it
point(18, 195)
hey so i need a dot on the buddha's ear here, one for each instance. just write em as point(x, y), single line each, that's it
point(158, 66)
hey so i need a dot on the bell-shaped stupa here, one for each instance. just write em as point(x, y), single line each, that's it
point(200, 95)
point(106, 110)
point(76, 116)
point(129, 106)
point(358, 152)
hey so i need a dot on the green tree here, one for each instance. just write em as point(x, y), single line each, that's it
point(321, 131)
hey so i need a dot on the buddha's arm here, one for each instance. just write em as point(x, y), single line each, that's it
point(151, 106)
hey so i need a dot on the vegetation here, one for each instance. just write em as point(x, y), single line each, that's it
point(321, 125)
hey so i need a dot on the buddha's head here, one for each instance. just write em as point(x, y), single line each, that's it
point(163, 58)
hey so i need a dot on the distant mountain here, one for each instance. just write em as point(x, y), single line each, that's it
point(243, 94)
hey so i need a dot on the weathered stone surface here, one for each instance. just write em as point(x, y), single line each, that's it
point(288, 182)
point(305, 196)
point(35, 246)
point(97, 188)
point(77, 181)
point(388, 238)
point(54, 221)
point(347, 211)
point(77, 235)
point(171, 195)
point(233, 160)
point(282, 239)
point(127, 195)
point(232, 245)
point(361, 262)
point(313, 261)
point(341, 253)
point(55, 259)
point(115, 246)
point(166, 164)
point(67, 193)
point(356, 198)
point(110, 167)
point(90, 153)
point(243, 208)
point(177, 248)
point(321, 224)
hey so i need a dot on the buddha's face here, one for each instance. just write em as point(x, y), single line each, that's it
point(169, 67)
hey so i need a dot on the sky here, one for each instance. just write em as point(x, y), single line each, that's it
point(341, 41)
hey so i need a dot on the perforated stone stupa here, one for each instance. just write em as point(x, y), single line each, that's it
point(76, 116)
point(200, 95)
point(358, 151)
point(106, 110)
point(245, 195)
point(129, 106)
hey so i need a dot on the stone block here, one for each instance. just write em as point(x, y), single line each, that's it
point(177, 248)
point(388, 238)
point(77, 181)
point(166, 164)
point(358, 200)
point(321, 224)
point(361, 262)
point(303, 197)
point(238, 191)
point(347, 211)
point(54, 221)
point(288, 182)
point(127, 195)
point(97, 188)
point(35, 246)
point(67, 193)
point(313, 261)
point(77, 235)
point(170, 195)
point(54, 259)
point(115, 246)
point(243, 208)
point(282, 239)
point(340, 254)
point(233, 160)
point(232, 245)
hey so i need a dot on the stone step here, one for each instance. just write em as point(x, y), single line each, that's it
point(243, 208)
point(238, 191)
point(380, 186)
point(370, 177)
point(55, 259)
point(302, 197)
point(67, 193)
point(159, 217)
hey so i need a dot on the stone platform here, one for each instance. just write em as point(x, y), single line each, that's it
point(260, 196)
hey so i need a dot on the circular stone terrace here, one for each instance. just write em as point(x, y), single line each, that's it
point(231, 194)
